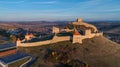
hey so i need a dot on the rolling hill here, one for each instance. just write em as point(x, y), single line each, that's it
point(96, 52)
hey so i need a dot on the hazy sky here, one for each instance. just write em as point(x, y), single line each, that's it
point(20, 10)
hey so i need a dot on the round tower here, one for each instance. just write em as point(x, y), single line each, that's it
point(18, 42)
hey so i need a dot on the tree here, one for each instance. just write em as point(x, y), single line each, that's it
point(13, 38)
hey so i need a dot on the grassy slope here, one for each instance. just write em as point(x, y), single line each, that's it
point(41, 51)
point(97, 51)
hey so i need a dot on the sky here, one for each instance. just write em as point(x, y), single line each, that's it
point(55, 10)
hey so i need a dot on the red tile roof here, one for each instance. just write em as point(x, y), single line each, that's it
point(8, 52)
point(76, 32)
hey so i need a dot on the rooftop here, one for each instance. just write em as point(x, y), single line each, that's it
point(76, 32)
point(7, 46)
point(13, 57)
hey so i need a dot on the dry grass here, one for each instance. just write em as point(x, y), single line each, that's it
point(97, 52)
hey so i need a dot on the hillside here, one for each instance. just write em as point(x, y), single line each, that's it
point(96, 52)
point(111, 30)
point(99, 51)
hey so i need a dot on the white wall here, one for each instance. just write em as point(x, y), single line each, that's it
point(54, 40)
point(34, 43)
point(76, 38)
point(59, 39)
point(79, 38)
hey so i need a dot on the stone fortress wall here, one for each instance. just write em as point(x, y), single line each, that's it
point(33, 43)
point(59, 39)
point(88, 34)
point(54, 40)
point(80, 22)
point(75, 39)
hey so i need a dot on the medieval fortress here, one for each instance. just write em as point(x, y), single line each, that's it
point(81, 31)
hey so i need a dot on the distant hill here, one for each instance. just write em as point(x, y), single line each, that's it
point(96, 52)
point(108, 27)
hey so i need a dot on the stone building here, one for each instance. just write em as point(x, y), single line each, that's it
point(29, 36)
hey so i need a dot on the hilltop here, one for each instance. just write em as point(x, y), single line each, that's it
point(97, 51)
point(100, 51)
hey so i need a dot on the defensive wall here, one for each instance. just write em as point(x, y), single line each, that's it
point(79, 38)
point(80, 22)
point(40, 43)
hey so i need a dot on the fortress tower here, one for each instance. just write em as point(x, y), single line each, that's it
point(55, 30)
point(76, 37)
point(87, 32)
point(79, 20)
point(28, 36)
point(31, 35)
point(18, 42)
